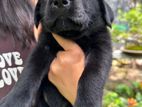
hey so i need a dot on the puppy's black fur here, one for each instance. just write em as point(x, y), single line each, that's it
point(85, 22)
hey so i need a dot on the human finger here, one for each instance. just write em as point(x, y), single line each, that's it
point(37, 31)
point(65, 43)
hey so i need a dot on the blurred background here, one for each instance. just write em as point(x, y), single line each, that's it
point(124, 86)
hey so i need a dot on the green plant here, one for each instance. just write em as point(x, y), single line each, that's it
point(124, 96)
point(124, 90)
point(134, 19)
point(131, 24)
point(133, 47)
point(112, 99)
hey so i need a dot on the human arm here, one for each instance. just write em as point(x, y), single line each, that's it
point(66, 68)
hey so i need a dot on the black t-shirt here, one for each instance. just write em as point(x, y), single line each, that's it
point(12, 59)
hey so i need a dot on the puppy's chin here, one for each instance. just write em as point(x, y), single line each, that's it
point(67, 28)
point(72, 34)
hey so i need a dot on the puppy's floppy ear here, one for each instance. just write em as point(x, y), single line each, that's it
point(37, 15)
point(107, 13)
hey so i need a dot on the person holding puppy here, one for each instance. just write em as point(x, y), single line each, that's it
point(17, 41)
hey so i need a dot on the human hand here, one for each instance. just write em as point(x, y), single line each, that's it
point(66, 68)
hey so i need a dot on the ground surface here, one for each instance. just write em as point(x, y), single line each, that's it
point(124, 71)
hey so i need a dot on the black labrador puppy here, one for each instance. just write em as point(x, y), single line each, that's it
point(83, 21)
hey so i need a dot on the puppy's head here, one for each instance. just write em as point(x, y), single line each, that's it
point(71, 18)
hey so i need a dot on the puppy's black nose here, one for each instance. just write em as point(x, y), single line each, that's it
point(61, 4)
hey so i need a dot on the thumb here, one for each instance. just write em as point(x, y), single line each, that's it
point(66, 44)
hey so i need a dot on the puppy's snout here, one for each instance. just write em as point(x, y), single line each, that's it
point(61, 4)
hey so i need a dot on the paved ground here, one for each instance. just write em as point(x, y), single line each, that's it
point(124, 72)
